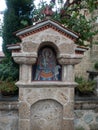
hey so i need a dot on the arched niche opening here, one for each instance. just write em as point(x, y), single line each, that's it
point(47, 67)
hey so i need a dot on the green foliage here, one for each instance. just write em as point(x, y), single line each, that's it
point(8, 76)
point(70, 16)
point(0, 28)
point(16, 16)
point(8, 86)
point(9, 69)
point(96, 65)
point(9, 28)
point(85, 87)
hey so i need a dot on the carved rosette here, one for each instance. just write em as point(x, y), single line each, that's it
point(69, 59)
point(24, 58)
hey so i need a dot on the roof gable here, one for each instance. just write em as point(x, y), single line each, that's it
point(45, 25)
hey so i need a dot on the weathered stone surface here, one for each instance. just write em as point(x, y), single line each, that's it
point(24, 124)
point(59, 94)
point(96, 118)
point(69, 60)
point(24, 110)
point(30, 47)
point(86, 119)
point(9, 120)
point(21, 92)
point(46, 115)
point(25, 60)
point(68, 110)
point(84, 65)
point(71, 91)
point(94, 127)
point(68, 124)
point(68, 48)
point(26, 77)
point(79, 114)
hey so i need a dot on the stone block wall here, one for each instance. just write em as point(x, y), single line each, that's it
point(84, 65)
point(8, 115)
point(86, 120)
point(85, 113)
point(87, 63)
point(94, 53)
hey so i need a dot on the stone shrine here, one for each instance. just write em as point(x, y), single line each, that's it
point(46, 84)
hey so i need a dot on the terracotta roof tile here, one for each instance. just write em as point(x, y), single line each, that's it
point(44, 25)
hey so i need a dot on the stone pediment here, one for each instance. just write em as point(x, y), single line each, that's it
point(46, 33)
point(44, 25)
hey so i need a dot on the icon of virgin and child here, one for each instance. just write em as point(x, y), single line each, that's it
point(47, 67)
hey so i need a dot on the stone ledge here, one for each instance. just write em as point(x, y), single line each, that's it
point(5, 105)
point(46, 84)
point(67, 59)
point(79, 105)
point(86, 105)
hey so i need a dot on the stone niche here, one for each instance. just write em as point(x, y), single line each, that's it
point(46, 114)
point(46, 101)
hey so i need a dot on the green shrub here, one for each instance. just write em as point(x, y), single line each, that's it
point(9, 69)
point(96, 65)
point(85, 87)
point(8, 86)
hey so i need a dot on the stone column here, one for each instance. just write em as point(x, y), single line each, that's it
point(67, 73)
point(26, 61)
point(68, 77)
point(25, 73)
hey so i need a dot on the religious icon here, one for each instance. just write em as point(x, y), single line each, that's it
point(47, 67)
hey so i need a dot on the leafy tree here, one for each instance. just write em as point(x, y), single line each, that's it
point(8, 69)
point(16, 16)
point(70, 14)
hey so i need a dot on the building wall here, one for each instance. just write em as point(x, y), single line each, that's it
point(86, 115)
point(91, 55)
point(84, 65)
point(87, 63)
point(8, 116)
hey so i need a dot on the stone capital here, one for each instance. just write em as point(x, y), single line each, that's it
point(69, 59)
point(25, 58)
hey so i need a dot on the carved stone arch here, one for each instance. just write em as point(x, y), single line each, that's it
point(51, 45)
point(61, 102)
point(46, 114)
point(47, 67)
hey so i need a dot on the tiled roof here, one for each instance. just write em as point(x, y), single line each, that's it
point(45, 25)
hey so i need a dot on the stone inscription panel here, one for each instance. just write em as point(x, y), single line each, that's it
point(46, 115)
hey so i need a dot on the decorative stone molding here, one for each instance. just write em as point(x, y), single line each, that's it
point(69, 59)
point(25, 58)
point(46, 84)
point(45, 25)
